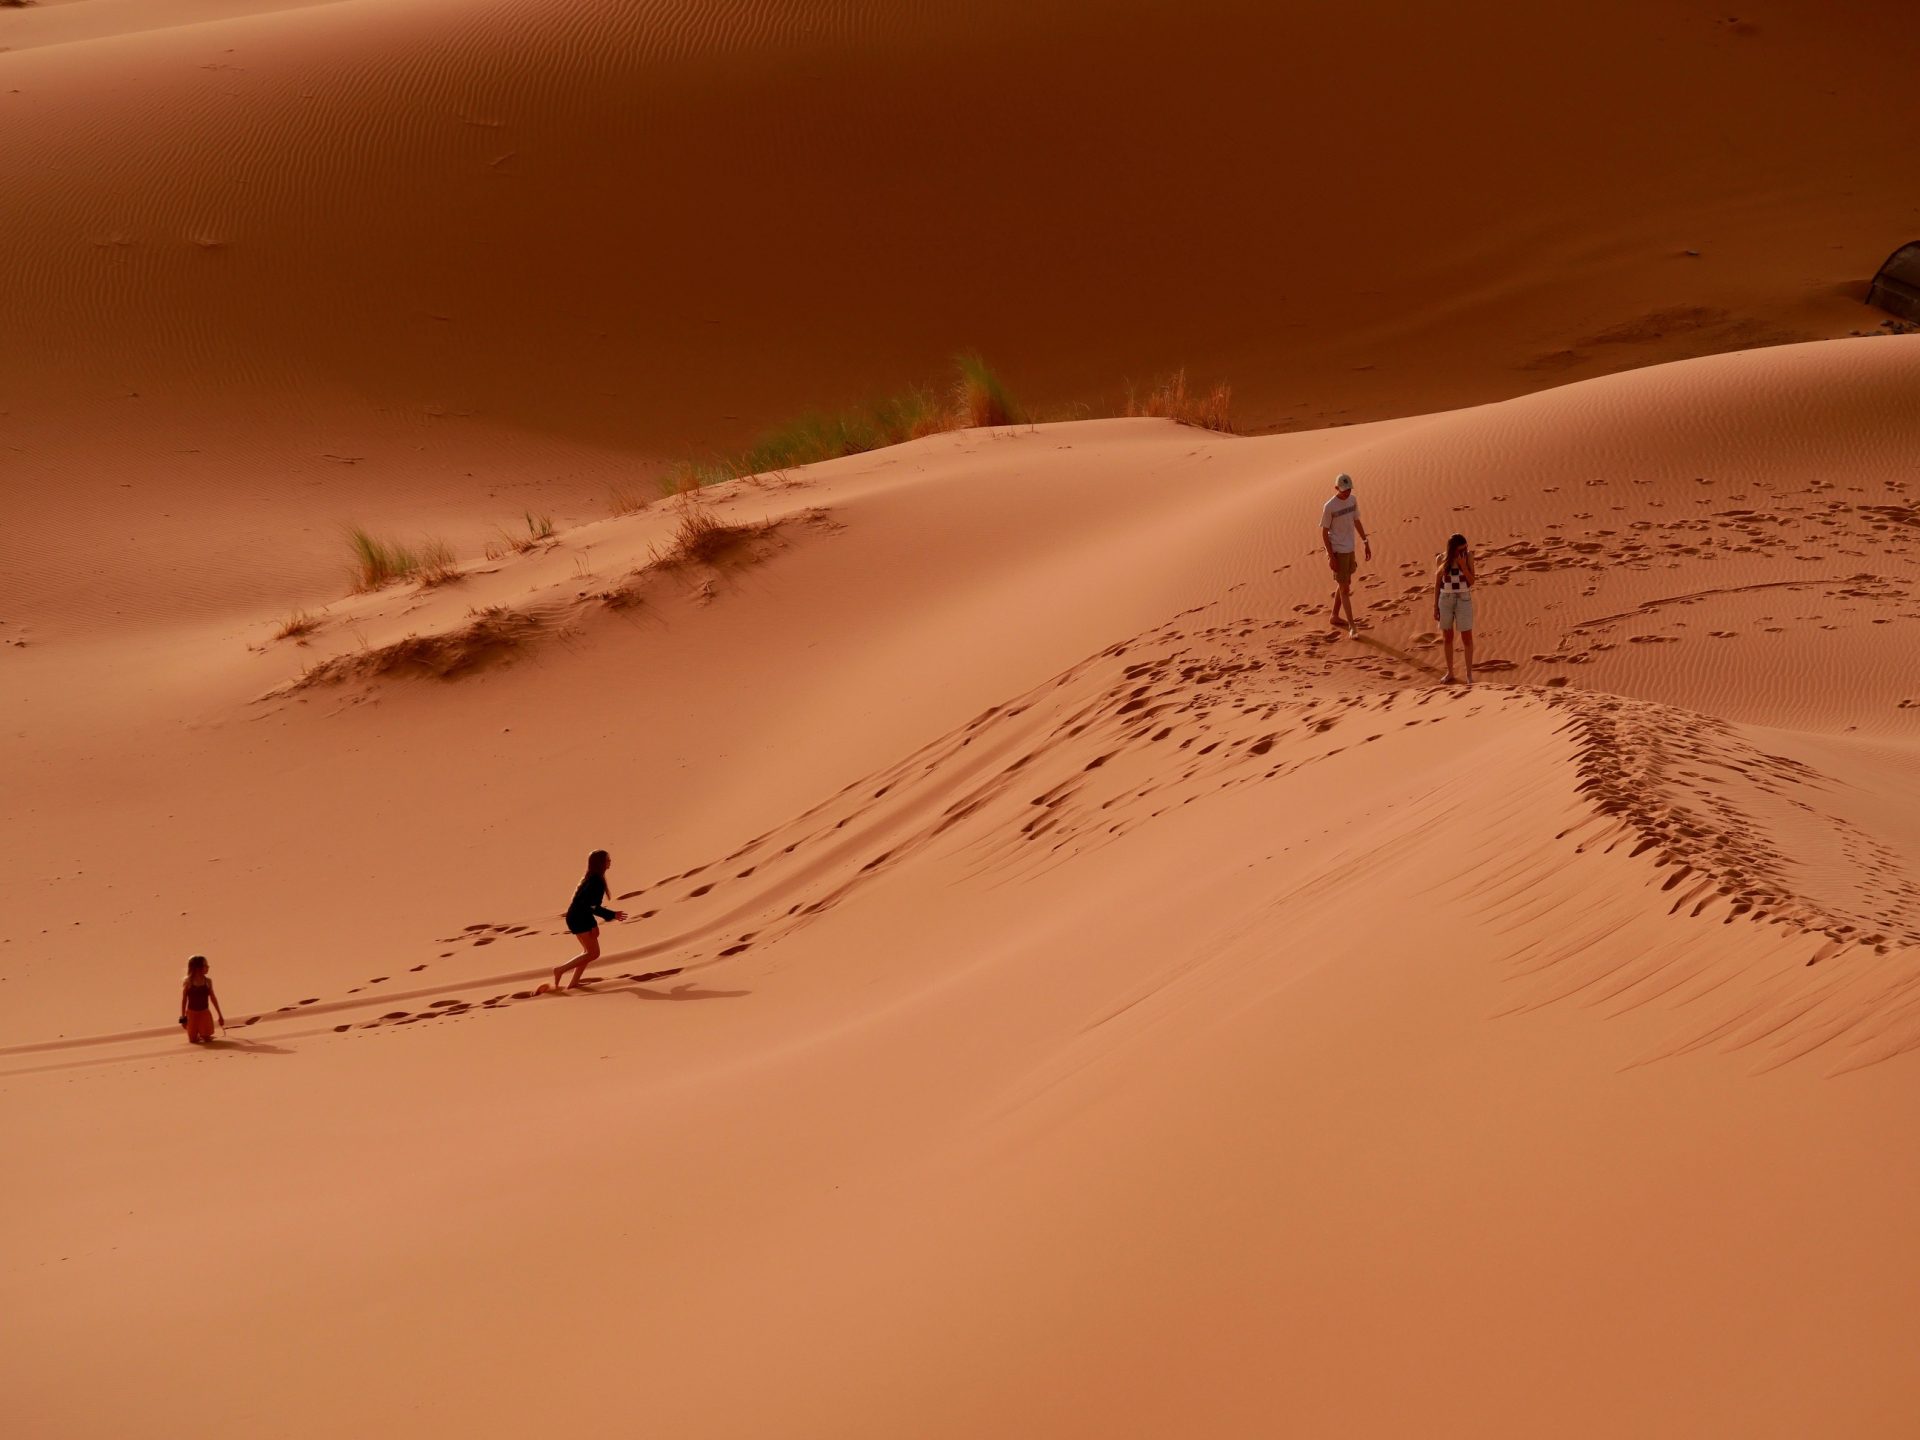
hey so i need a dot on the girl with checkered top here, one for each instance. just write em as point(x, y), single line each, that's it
point(1453, 600)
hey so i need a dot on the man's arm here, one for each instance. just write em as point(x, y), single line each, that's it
point(1361, 526)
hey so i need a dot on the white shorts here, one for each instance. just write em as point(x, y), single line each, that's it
point(1456, 610)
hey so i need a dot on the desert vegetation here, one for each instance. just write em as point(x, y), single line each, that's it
point(976, 397)
point(489, 635)
point(1169, 398)
point(297, 625)
point(536, 531)
point(703, 538)
point(378, 562)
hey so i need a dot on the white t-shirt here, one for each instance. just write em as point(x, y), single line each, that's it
point(1336, 518)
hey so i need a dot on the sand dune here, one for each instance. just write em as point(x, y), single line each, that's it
point(1133, 1010)
point(1067, 990)
point(246, 238)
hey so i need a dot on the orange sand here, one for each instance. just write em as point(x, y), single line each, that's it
point(1115, 1006)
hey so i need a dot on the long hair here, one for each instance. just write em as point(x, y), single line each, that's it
point(197, 965)
point(1455, 544)
point(597, 862)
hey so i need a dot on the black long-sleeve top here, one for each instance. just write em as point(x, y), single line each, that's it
point(588, 902)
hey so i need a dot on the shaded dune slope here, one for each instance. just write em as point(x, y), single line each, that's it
point(248, 252)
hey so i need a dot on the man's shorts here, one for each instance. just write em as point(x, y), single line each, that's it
point(1343, 564)
point(1456, 610)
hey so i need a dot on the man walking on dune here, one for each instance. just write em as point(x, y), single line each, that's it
point(1339, 521)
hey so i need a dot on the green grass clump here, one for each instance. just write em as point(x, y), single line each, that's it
point(977, 397)
point(378, 562)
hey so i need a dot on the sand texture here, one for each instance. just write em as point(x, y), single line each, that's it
point(1068, 989)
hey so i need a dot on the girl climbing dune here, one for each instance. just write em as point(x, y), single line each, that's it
point(584, 916)
point(196, 996)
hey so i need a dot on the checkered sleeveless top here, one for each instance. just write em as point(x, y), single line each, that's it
point(1454, 582)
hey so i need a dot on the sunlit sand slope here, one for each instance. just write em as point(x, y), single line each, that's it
point(1067, 991)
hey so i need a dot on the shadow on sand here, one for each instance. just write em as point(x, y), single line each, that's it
point(246, 1047)
point(688, 991)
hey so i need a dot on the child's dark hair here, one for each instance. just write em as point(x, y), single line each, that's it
point(597, 862)
point(198, 962)
point(1454, 543)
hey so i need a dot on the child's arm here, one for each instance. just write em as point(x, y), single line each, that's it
point(214, 1000)
point(183, 1000)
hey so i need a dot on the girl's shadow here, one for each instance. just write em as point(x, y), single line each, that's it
point(246, 1047)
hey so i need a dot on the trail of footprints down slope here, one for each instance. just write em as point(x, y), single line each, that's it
point(1191, 709)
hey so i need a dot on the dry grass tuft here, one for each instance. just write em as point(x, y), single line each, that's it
point(491, 635)
point(623, 501)
point(703, 538)
point(980, 397)
point(687, 477)
point(436, 565)
point(539, 530)
point(297, 624)
point(1170, 399)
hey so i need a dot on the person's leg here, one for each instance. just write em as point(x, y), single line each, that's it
point(589, 952)
point(1447, 635)
point(1466, 641)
